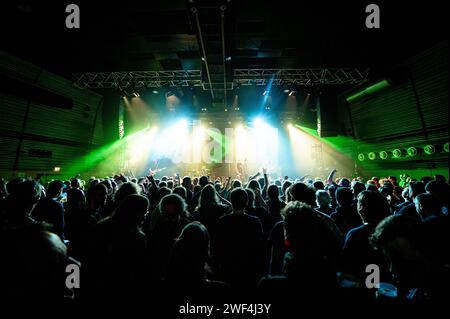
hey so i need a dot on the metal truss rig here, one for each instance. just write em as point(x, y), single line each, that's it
point(155, 79)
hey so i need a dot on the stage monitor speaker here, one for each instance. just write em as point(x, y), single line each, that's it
point(327, 114)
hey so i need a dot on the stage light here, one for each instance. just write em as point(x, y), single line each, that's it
point(372, 156)
point(155, 92)
point(289, 126)
point(124, 94)
point(446, 147)
point(183, 122)
point(135, 94)
point(429, 149)
point(266, 92)
point(397, 153)
point(57, 169)
point(286, 91)
point(291, 93)
point(383, 155)
point(169, 93)
point(258, 121)
point(412, 151)
point(361, 157)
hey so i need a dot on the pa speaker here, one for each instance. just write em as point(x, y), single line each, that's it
point(327, 114)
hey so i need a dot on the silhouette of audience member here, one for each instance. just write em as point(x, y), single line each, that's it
point(302, 193)
point(345, 216)
point(181, 191)
point(357, 251)
point(209, 210)
point(116, 259)
point(50, 210)
point(310, 262)
point(274, 204)
point(166, 223)
point(318, 185)
point(238, 248)
point(18, 205)
point(81, 223)
point(421, 279)
point(415, 189)
point(323, 201)
point(427, 205)
point(257, 211)
point(124, 190)
point(187, 271)
point(187, 184)
point(357, 187)
point(75, 196)
point(33, 267)
point(202, 182)
point(441, 190)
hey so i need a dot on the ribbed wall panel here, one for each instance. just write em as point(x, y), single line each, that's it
point(67, 133)
point(390, 119)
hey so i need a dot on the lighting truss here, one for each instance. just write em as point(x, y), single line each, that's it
point(155, 79)
point(317, 76)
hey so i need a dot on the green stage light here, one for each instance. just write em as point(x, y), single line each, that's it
point(397, 153)
point(361, 157)
point(429, 149)
point(412, 151)
point(383, 155)
point(446, 147)
point(372, 156)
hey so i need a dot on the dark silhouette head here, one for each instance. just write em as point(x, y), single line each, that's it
point(344, 182)
point(357, 187)
point(75, 183)
point(25, 195)
point(33, 265)
point(427, 205)
point(208, 197)
point(236, 184)
point(439, 189)
point(180, 190)
point(323, 199)
point(203, 181)
point(97, 195)
point(318, 185)
point(190, 254)
point(125, 190)
point(416, 188)
point(131, 211)
point(239, 199)
point(254, 185)
point(344, 197)
point(373, 207)
point(302, 193)
point(55, 188)
point(273, 192)
point(172, 207)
